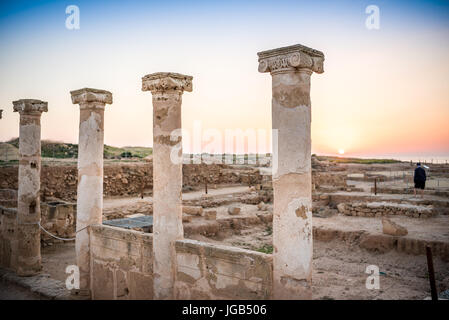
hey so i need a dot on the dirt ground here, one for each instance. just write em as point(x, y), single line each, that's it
point(9, 291)
point(339, 273)
point(56, 258)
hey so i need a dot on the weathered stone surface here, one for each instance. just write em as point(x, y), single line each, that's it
point(140, 286)
point(123, 258)
point(167, 90)
point(41, 284)
point(233, 210)
point(102, 281)
point(208, 271)
point(210, 215)
point(392, 228)
point(166, 81)
point(88, 97)
point(341, 207)
point(379, 209)
point(90, 173)
point(8, 238)
point(193, 210)
point(291, 68)
point(262, 206)
point(59, 218)
point(383, 243)
point(186, 218)
point(30, 106)
point(286, 58)
point(28, 205)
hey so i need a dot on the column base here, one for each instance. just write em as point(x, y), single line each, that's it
point(81, 293)
point(288, 288)
point(28, 272)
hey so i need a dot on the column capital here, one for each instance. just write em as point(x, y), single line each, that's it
point(289, 58)
point(166, 81)
point(30, 106)
point(89, 96)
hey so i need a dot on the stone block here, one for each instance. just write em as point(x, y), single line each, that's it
point(102, 282)
point(186, 218)
point(392, 228)
point(262, 206)
point(140, 286)
point(341, 208)
point(121, 285)
point(233, 210)
point(193, 210)
point(210, 215)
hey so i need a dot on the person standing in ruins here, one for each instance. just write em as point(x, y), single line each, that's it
point(419, 179)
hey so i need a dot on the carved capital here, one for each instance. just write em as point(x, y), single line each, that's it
point(89, 96)
point(30, 106)
point(166, 81)
point(291, 58)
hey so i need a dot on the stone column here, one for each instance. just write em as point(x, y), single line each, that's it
point(167, 90)
point(28, 204)
point(291, 68)
point(90, 173)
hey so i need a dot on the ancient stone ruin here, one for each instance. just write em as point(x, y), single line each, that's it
point(173, 226)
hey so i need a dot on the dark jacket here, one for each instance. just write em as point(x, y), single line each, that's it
point(420, 175)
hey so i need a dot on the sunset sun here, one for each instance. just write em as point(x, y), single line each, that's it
point(341, 151)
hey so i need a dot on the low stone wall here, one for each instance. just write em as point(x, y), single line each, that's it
point(8, 237)
point(381, 243)
point(379, 209)
point(128, 179)
point(122, 268)
point(140, 207)
point(409, 190)
point(336, 199)
point(330, 179)
point(131, 178)
point(122, 263)
point(214, 227)
point(209, 271)
point(58, 218)
point(8, 198)
point(209, 201)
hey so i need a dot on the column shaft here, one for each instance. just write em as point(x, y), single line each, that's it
point(292, 215)
point(167, 89)
point(27, 254)
point(90, 174)
point(167, 189)
point(90, 185)
point(291, 68)
point(28, 206)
